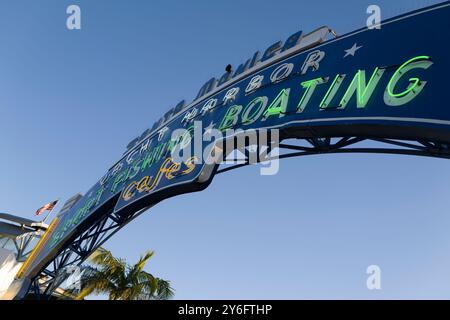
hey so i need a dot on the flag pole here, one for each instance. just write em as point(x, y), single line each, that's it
point(50, 211)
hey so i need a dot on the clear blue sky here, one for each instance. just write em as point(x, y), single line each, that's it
point(70, 101)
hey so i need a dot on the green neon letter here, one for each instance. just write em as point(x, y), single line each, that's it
point(332, 91)
point(231, 117)
point(309, 87)
point(363, 91)
point(392, 98)
point(278, 106)
point(254, 109)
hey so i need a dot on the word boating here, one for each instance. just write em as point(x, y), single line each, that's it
point(362, 84)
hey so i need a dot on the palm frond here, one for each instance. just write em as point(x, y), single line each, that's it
point(122, 281)
point(164, 291)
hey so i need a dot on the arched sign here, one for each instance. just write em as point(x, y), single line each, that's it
point(387, 83)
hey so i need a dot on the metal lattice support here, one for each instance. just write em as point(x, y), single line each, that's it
point(347, 145)
point(43, 285)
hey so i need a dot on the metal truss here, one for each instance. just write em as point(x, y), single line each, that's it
point(107, 225)
point(314, 146)
point(22, 243)
point(43, 285)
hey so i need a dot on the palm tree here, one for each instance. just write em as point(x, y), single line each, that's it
point(120, 280)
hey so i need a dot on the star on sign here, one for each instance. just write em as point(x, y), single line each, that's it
point(352, 50)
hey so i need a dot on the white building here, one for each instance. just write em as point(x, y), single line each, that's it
point(18, 237)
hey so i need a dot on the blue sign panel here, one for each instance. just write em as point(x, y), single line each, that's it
point(389, 82)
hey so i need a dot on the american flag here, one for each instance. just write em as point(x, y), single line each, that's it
point(49, 206)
